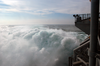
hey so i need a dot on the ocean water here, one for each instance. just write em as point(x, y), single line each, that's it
point(38, 45)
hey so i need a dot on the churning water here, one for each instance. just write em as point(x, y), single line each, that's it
point(37, 45)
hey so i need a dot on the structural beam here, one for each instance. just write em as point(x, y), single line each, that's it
point(93, 31)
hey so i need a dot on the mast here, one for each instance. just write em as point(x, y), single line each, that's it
point(93, 32)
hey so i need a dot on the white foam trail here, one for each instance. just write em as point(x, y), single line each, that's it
point(36, 46)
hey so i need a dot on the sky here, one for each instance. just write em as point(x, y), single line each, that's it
point(15, 12)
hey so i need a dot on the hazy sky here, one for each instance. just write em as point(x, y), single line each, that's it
point(41, 11)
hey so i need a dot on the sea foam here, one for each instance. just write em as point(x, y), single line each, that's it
point(37, 46)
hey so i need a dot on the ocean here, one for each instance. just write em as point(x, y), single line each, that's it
point(38, 45)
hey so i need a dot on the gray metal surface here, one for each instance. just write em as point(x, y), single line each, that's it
point(94, 31)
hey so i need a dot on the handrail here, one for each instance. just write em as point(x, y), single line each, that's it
point(87, 39)
point(82, 17)
point(87, 43)
point(86, 63)
point(79, 53)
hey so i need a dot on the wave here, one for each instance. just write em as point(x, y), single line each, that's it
point(37, 46)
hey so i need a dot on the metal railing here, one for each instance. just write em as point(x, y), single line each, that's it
point(81, 57)
point(82, 17)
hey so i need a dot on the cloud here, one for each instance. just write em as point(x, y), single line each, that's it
point(0, 9)
point(36, 21)
point(42, 7)
point(12, 10)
